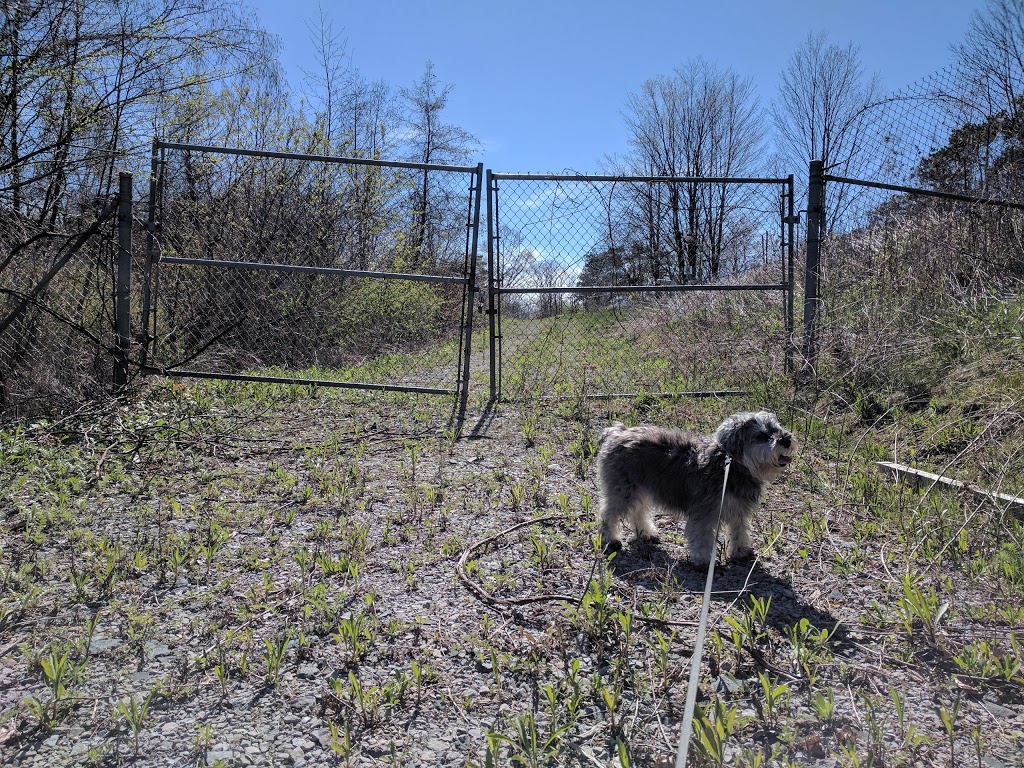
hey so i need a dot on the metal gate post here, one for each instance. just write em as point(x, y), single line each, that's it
point(147, 279)
point(492, 312)
point(812, 271)
point(478, 181)
point(122, 292)
point(791, 220)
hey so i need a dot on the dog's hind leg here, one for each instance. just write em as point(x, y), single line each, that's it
point(614, 508)
point(642, 523)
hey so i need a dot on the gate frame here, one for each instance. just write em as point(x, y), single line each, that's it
point(153, 260)
point(788, 219)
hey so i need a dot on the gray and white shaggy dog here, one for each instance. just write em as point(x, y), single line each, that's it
point(642, 469)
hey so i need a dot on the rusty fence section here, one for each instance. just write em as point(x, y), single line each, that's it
point(602, 286)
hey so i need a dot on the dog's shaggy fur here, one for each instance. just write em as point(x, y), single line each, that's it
point(640, 469)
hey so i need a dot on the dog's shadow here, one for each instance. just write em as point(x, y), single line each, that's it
point(732, 583)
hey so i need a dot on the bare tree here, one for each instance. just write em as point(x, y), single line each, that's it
point(701, 122)
point(82, 83)
point(823, 111)
point(433, 141)
point(991, 58)
point(350, 118)
point(327, 82)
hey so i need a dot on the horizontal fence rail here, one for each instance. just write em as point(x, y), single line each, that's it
point(919, 192)
point(330, 159)
point(646, 288)
point(255, 265)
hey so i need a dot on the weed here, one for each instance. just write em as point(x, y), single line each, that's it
point(810, 649)
point(133, 713)
point(341, 741)
point(775, 699)
point(356, 634)
point(712, 727)
point(595, 616)
point(274, 650)
point(59, 675)
point(948, 717)
point(824, 705)
point(531, 746)
point(920, 607)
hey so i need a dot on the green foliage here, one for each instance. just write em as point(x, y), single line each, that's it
point(386, 316)
point(133, 713)
point(712, 728)
point(60, 674)
point(920, 611)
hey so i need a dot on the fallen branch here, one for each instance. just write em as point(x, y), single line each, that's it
point(478, 590)
point(918, 476)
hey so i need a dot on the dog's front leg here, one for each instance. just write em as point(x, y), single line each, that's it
point(738, 545)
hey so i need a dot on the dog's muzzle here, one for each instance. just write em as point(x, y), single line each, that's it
point(786, 442)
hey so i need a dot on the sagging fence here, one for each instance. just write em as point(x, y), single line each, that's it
point(894, 284)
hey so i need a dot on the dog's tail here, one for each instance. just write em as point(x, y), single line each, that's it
point(609, 431)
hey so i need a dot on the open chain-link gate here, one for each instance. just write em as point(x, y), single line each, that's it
point(281, 267)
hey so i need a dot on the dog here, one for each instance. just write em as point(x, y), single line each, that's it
point(640, 469)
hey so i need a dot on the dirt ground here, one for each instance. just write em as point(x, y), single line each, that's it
point(240, 575)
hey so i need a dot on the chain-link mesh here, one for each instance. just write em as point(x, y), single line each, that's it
point(911, 281)
point(56, 313)
point(311, 270)
point(597, 283)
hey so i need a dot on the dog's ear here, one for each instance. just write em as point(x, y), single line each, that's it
point(731, 434)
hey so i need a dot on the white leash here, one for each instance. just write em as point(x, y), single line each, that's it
point(698, 646)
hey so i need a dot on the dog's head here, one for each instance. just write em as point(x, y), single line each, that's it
point(764, 446)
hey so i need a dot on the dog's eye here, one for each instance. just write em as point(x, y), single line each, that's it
point(763, 437)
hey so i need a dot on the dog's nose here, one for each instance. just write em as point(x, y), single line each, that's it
point(785, 441)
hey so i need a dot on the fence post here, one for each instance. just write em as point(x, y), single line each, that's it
point(492, 311)
point(122, 292)
point(790, 220)
point(812, 271)
point(471, 287)
point(147, 267)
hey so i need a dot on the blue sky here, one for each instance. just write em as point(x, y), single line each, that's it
point(542, 83)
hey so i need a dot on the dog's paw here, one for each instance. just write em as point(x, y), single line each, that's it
point(746, 554)
point(647, 545)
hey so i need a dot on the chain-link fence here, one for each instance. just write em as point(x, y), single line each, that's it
point(57, 310)
point(922, 263)
point(343, 272)
point(359, 273)
point(607, 285)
